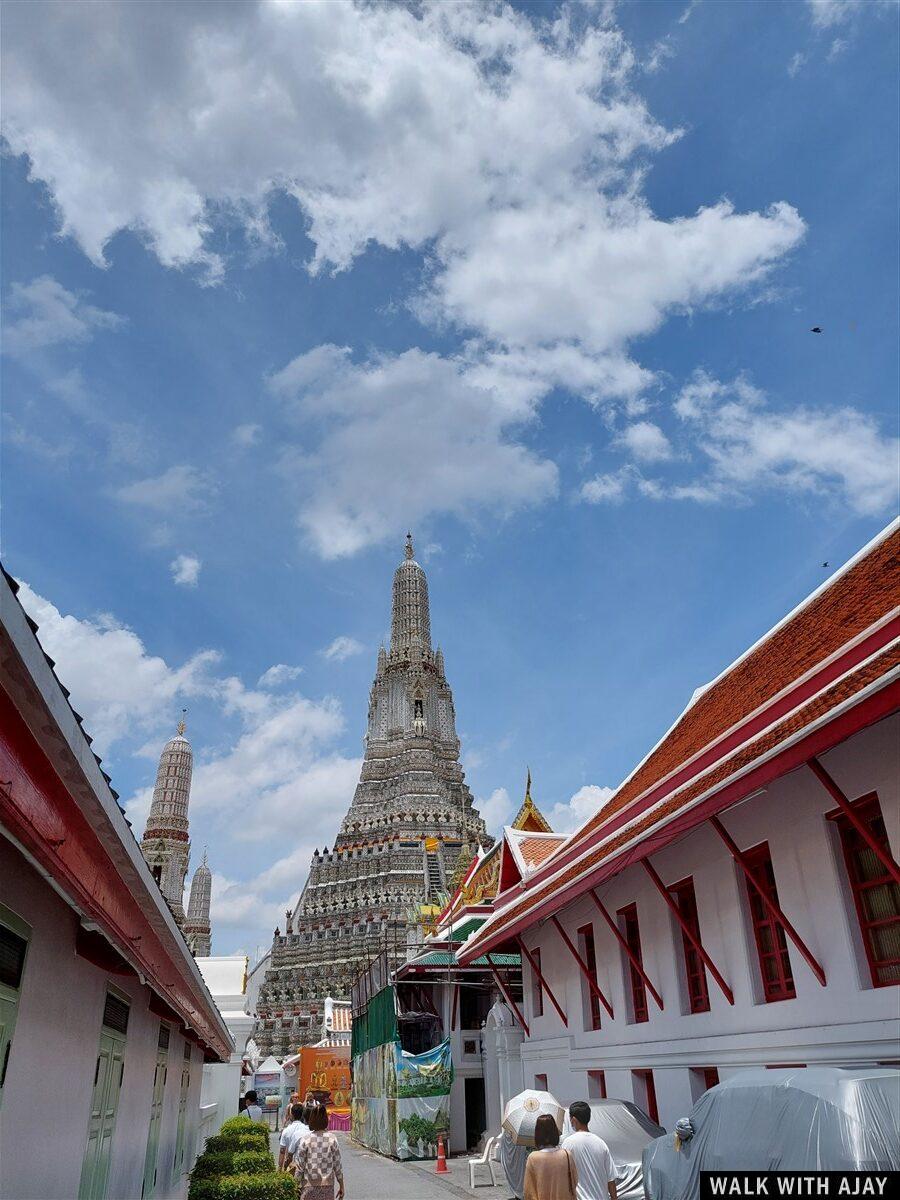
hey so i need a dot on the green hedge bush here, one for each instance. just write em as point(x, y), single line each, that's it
point(232, 1140)
point(240, 1162)
point(242, 1124)
point(274, 1186)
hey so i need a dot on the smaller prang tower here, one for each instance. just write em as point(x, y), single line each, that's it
point(197, 927)
point(165, 844)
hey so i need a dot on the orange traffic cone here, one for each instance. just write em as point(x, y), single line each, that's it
point(441, 1167)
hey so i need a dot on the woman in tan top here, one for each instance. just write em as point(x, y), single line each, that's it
point(550, 1173)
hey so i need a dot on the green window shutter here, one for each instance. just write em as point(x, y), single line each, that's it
point(178, 1163)
point(109, 1071)
point(15, 935)
point(151, 1157)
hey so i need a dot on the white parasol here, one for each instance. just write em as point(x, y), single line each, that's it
point(521, 1114)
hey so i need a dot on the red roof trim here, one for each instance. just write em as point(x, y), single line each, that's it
point(788, 700)
point(853, 710)
point(38, 810)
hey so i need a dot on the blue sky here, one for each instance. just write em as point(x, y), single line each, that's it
point(280, 281)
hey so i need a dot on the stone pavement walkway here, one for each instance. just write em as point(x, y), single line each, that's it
point(368, 1176)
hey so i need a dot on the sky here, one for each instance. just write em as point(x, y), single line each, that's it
point(537, 282)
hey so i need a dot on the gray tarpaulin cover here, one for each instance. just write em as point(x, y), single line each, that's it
point(512, 1160)
point(814, 1118)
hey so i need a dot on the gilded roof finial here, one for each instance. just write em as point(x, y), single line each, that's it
point(528, 799)
point(181, 724)
point(409, 545)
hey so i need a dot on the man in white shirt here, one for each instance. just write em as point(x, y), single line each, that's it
point(596, 1169)
point(299, 1127)
point(290, 1135)
point(252, 1108)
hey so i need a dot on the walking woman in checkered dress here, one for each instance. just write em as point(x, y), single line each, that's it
point(317, 1160)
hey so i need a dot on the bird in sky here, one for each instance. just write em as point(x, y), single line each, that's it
point(816, 329)
point(825, 564)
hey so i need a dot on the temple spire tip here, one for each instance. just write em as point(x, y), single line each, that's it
point(409, 545)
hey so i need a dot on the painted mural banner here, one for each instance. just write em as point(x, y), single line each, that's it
point(420, 1119)
point(401, 1102)
point(426, 1074)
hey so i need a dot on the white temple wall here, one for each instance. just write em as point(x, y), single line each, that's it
point(49, 1079)
point(848, 1022)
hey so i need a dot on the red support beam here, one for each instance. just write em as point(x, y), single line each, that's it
point(632, 957)
point(586, 972)
point(850, 813)
point(543, 982)
point(508, 996)
point(769, 903)
point(454, 1007)
point(688, 932)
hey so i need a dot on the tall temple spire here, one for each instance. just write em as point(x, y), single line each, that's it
point(410, 825)
point(166, 845)
point(197, 927)
point(410, 616)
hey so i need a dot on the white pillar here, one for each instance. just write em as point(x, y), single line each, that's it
point(509, 1063)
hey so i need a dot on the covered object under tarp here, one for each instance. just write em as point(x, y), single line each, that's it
point(814, 1118)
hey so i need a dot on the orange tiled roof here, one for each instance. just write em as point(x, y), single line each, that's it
point(825, 654)
point(536, 850)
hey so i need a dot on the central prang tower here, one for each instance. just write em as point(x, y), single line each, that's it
point(410, 820)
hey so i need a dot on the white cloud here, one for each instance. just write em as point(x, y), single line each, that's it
point(247, 435)
point(826, 14)
point(399, 439)
point(180, 488)
point(341, 648)
point(497, 810)
point(796, 64)
point(839, 452)
point(117, 686)
point(278, 675)
point(185, 570)
point(688, 12)
point(610, 488)
point(512, 149)
point(43, 314)
point(646, 442)
point(279, 768)
point(276, 775)
point(600, 272)
point(281, 758)
point(44, 324)
point(749, 448)
point(587, 801)
point(616, 486)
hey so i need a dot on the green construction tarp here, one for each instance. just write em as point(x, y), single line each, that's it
point(377, 1025)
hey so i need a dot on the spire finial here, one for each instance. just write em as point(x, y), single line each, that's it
point(204, 863)
point(528, 799)
point(409, 545)
point(181, 724)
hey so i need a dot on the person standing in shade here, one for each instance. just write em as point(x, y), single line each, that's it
point(290, 1135)
point(550, 1173)
point(252, 1108)
point(596, 1169)
point(294, 1099)
point(317, 1160)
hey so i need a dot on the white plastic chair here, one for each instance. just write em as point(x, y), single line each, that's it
point(490, 1155)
